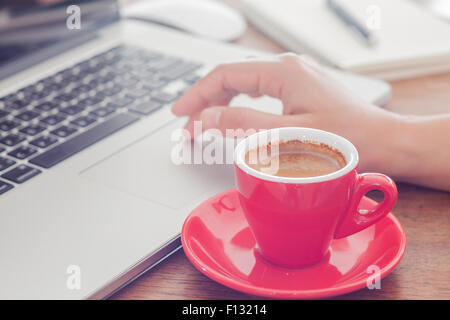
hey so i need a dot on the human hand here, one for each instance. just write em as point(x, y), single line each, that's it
point(311, 97)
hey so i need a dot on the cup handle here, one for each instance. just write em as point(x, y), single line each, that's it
point(354, 220)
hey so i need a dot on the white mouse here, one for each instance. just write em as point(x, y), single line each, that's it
point(207, 18)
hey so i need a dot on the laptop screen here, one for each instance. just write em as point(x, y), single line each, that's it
point(31, 27)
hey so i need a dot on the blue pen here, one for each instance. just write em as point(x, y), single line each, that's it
point(352, 22)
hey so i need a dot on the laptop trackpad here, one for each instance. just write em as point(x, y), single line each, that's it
point(145, 169)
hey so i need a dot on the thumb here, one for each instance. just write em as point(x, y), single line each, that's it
point(223, 118)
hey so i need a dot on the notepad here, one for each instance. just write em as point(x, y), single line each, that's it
point(411, 41)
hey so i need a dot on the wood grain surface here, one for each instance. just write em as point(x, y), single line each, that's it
point(424, 272)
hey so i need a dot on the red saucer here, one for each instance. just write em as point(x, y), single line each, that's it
point(218, 241)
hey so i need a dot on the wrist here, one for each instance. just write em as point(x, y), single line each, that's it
point(387, 148)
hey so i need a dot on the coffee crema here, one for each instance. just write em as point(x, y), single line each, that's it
point(295, 159)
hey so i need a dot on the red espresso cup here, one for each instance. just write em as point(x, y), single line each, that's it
point(295, 219)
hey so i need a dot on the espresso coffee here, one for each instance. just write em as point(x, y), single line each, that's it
point(295, 159)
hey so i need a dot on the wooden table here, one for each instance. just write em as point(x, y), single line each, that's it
point(424, 272)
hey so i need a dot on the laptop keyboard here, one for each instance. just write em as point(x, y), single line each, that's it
point(58, 116)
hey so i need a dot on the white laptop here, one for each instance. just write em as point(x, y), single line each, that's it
point(90, 198)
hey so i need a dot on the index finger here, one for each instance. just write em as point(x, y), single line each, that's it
point(228, 80)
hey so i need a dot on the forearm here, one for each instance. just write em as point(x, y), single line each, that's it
point(413, 149)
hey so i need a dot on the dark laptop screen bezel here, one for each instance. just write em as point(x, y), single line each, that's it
point(108, 13)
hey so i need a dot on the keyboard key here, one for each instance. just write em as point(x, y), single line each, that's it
point(82, 65)
point(27, 115)
point(64, 131)
point(126, 67)
point(3, 113)
point(93, 83)
point(37, 95)
point(99, 96)
point(17, 104)
point(178, 71)
point(56, 86)
point(29, 89)
point(120, 69)
point(5, 187)
point(145, 108)
point(12, 139)
point(47, 81)
point(72, 79)
point(5, 163)
point(89, 102)
point(83, 88)
point(52, 119)
point(110, 91)
point(122, 102)
point(143, 73)
point(104, 111)
point(44, 141)
point(153, 84)
point(126, 82)
point(110, 75)
point(21, 173)
point(8, 98)
point(32, 129)
point(7, 125)
point(164, 97)
point(65, 97)
point(46, 106)
point(72, 110)
point(22, 152)
point(102, 80)
point(63, 151)
point(83, 121)
point(137, 93)
point(66, 73)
